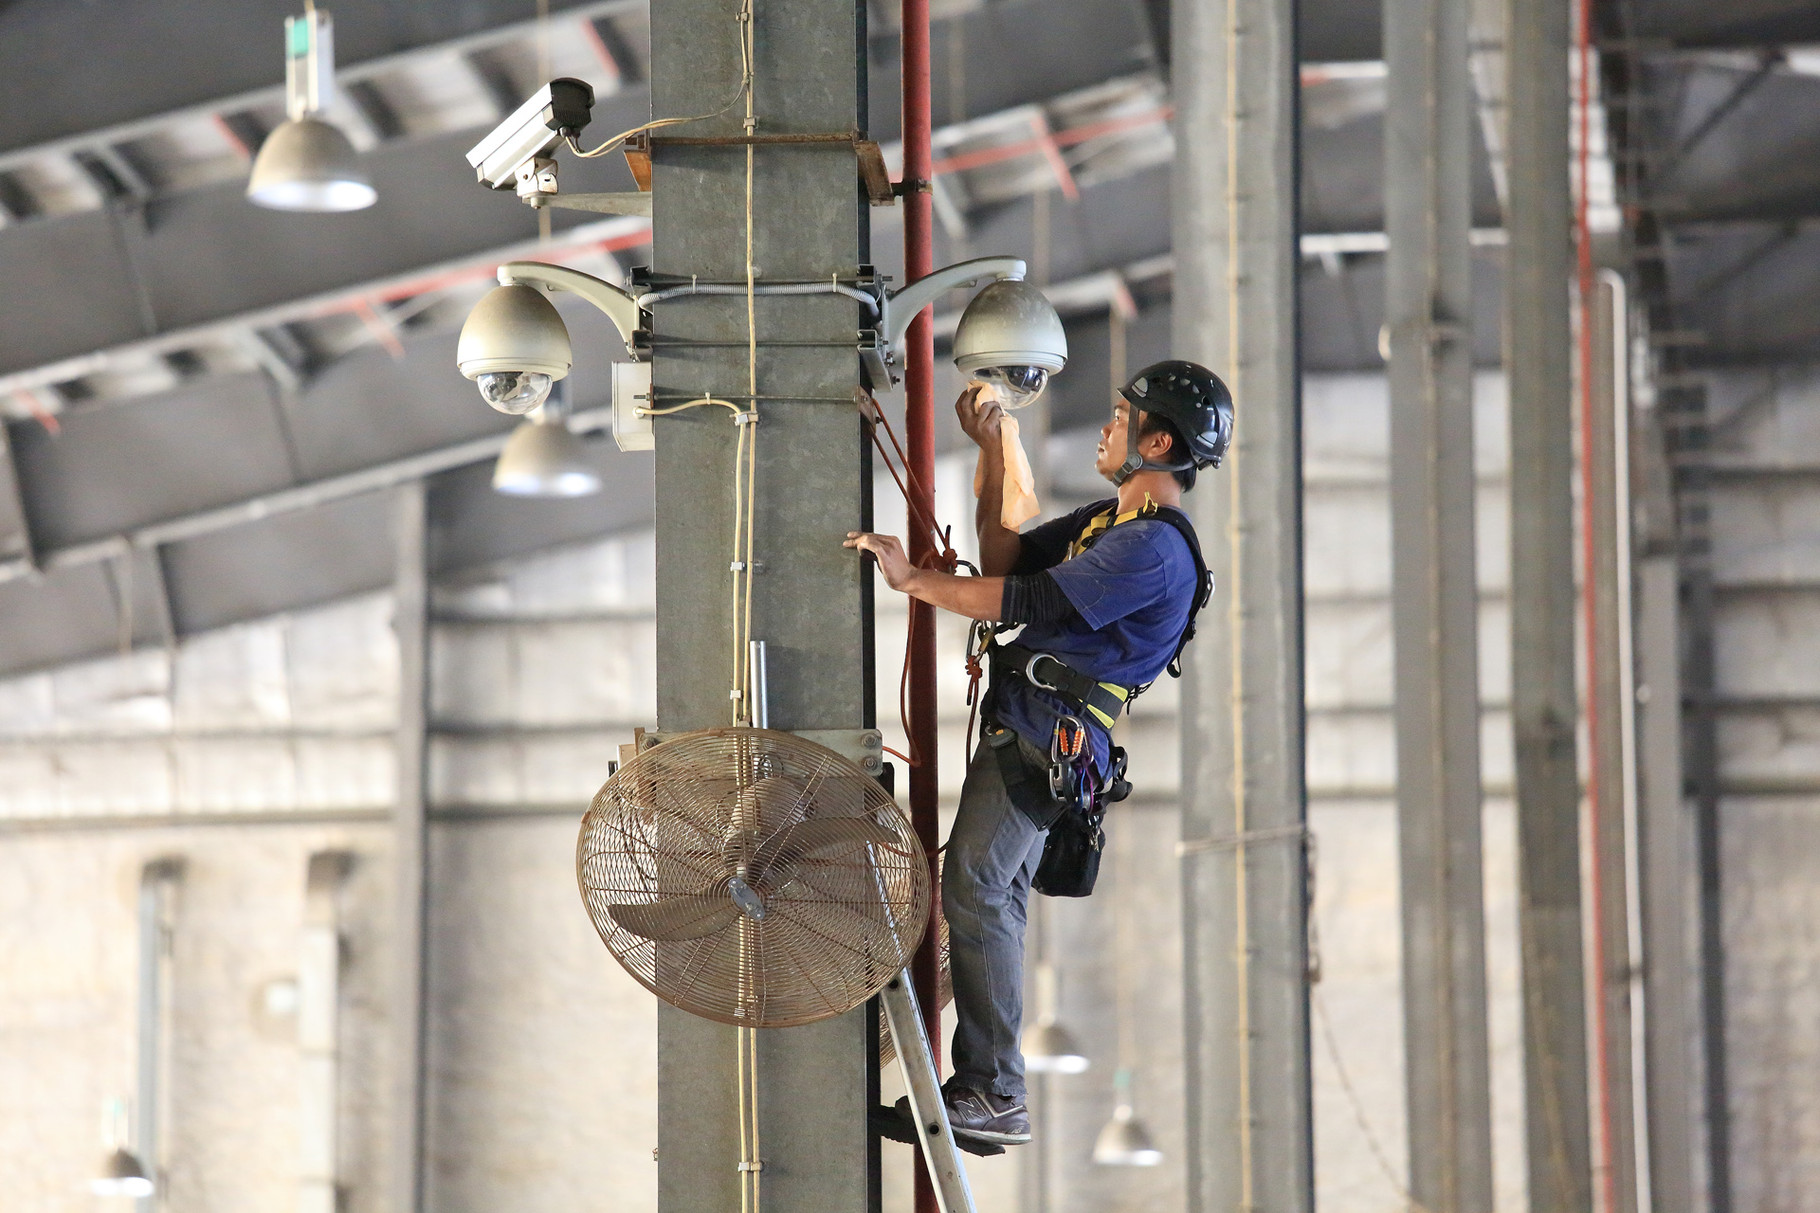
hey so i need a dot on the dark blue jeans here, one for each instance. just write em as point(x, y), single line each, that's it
point(992, 853)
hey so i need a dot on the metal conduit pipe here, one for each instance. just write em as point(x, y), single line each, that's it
point(919, 438)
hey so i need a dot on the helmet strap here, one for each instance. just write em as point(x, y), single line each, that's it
point(1134, 460)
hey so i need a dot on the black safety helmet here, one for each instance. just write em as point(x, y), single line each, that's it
point(1193, 400)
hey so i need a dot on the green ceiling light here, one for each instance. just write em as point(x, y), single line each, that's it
point(543, 458)
point(307, 164)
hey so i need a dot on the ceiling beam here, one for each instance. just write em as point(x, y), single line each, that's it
point(285, 501)
point(606, 235)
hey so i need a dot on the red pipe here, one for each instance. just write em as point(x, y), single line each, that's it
point(919, 436)
point(1605, 1172)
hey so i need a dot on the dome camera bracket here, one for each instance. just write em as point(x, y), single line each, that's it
point(621, 308)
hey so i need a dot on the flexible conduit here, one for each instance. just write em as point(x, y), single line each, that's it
point(780, 288)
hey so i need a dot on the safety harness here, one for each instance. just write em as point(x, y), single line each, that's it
point(1068, 792)
point(1101, 701)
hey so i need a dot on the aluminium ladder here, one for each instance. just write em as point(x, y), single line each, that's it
point(914, 1056)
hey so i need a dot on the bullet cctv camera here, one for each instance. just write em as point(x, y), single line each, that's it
point(557, 111)
point(1011, 338)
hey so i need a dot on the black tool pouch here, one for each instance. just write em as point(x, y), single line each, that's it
point(1026, 784)
point(1071, 855)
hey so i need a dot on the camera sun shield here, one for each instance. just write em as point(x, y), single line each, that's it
point(558, 110)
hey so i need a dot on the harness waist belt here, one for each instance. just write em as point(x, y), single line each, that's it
point(1101, 700)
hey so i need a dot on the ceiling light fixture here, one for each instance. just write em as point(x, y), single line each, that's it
point(122, 1174)
point(1048, 1047)
point(1124, 1141)
point(307, 164)
point(544, 458)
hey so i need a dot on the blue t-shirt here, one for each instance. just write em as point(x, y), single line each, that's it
point(1131, 591)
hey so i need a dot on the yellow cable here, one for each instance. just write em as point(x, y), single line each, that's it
point(745, 87)
point(751, 503)
point(693, 404)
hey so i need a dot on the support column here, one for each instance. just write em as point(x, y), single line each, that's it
point(1434, 602)
point(1670, 974)
point(1244, 889)
point(1538, 343)
point(1609, 713)
point(808, 222)
point(410, 841)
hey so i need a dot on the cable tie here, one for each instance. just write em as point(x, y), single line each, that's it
point(738, 566)
point(752, 1166)
point(746, 417)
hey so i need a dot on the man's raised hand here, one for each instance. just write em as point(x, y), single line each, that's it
point(979, 413)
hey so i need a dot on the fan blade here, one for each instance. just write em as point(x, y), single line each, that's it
point(692, 916)
point(780, 854)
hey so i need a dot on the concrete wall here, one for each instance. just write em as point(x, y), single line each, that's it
point(250, 749)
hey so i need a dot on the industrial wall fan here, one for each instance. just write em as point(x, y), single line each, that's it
point(753, 877)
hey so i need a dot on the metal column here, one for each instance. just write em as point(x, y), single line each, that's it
point(1244, 889)
point(1538, 343)
point(1610, 711)
point(1670, 974)
point(1428, 313)
point(410, 841)
point(809, 222)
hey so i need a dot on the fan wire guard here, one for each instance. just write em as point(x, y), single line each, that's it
point(753, 877)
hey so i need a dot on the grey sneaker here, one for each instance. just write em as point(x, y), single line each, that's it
point(983, 1116)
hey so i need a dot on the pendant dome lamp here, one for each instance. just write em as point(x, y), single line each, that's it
point(1124, 1141)
point(121, 1173)
point(543, 457)
point(307, 164)
point(1048, 1047)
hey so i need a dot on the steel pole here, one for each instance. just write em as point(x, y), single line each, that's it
point(1244, 890)
point(724, 210)
point(919, 436)
point(1538, 353)
point(410, 842)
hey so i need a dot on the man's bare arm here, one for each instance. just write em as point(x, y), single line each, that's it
point(974, 597)
point(999, 546)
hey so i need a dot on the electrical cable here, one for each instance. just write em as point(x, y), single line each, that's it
point(693, 404)
point(744, 19)
point(748, 444)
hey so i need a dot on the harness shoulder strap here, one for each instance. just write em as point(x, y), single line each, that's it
point(1203, 581)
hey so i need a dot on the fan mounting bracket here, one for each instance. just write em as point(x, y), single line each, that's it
point(863, 746)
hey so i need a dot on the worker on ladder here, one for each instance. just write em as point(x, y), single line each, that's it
point(1107, 597)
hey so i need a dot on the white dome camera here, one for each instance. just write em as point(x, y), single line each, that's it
point(514, 346)
point(1011, 338)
